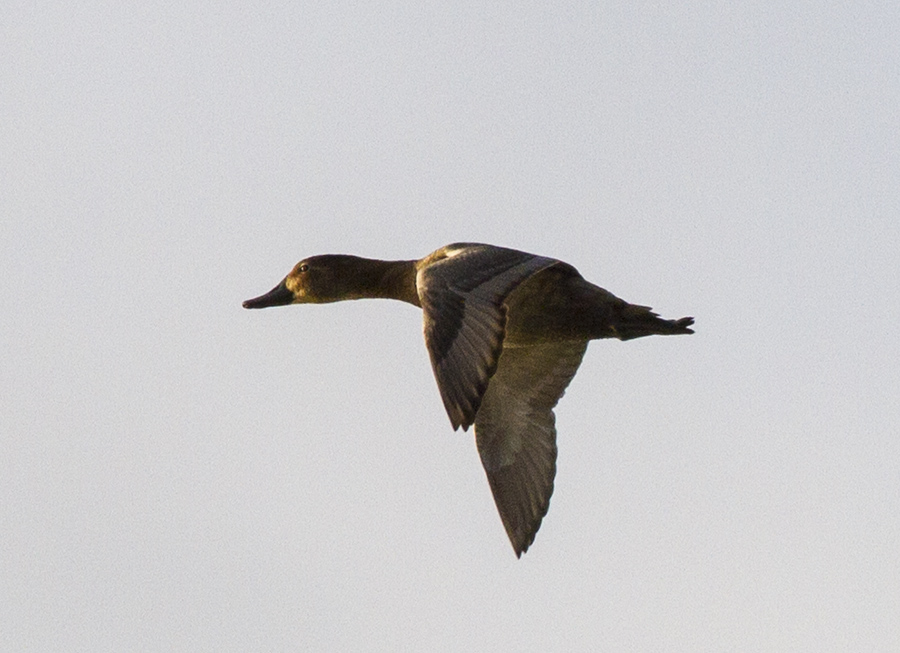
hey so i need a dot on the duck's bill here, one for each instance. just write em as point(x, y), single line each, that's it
point(278, 296)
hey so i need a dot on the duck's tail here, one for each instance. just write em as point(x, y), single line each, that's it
point(635, 321)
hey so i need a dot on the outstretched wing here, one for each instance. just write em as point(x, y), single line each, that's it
point(462, 294)
point(515, 430)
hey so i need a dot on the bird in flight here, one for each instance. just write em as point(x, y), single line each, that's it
point(506, 332)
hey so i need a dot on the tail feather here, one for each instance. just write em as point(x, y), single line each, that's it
point(639, 321)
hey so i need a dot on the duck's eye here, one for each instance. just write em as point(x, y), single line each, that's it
point(303, 268)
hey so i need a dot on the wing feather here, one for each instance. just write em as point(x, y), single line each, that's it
point(515, 430)
point(462, 293)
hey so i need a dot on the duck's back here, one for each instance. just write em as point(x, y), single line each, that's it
point(558, 304)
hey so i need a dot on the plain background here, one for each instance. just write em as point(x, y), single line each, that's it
point(177, 473)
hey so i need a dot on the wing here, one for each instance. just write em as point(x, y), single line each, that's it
point(462, 294)
point(515, 430)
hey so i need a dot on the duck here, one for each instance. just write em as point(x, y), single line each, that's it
point(506, 331)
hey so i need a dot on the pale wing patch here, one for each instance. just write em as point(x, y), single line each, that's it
point(515, 430)
point(462, 298)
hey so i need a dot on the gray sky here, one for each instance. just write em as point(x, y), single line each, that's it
point(177, 473)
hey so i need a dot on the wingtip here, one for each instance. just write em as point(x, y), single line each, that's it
point(460, 418)
point(522, 541)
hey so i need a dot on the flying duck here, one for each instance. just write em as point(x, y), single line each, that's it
point(506, 332)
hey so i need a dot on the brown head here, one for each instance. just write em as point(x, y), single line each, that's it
point(337, 277)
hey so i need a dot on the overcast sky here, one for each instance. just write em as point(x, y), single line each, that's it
point(179, 474)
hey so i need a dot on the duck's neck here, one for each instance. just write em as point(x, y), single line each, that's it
point(387, 280)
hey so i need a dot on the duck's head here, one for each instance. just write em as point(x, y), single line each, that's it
point(318, 280)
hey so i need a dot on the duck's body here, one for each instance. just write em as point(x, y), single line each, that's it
point(506, 332)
